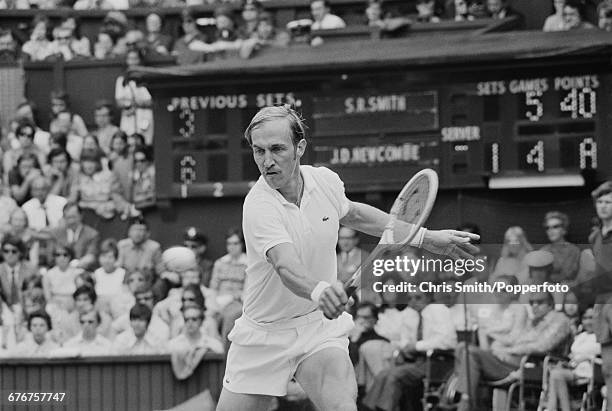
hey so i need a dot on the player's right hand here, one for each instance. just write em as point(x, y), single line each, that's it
point(333, 300)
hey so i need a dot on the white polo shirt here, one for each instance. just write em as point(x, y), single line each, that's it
point(268, 219)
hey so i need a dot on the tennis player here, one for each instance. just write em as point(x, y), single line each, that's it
point(290, 220)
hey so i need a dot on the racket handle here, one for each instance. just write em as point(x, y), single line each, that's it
point(350, 291)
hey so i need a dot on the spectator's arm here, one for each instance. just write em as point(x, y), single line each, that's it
point(214, 280)
point(545, 342)
point(158, 264)
point(90, 257)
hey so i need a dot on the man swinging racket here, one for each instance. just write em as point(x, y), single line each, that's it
point(290, 221)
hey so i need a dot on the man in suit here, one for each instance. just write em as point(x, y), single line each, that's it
point(14, 271)
point(83, 239)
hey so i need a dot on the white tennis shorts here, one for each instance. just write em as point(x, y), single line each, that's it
point(263, 358)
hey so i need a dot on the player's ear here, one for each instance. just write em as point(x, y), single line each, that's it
point(301, 147)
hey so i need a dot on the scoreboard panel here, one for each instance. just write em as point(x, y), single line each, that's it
point(468, 126)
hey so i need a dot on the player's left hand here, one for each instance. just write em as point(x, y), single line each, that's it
point(333, 300)
point(451, 243)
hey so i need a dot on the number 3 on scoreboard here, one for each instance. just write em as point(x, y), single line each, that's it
point(536, 155)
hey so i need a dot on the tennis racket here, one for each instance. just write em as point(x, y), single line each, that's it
point(412, 205)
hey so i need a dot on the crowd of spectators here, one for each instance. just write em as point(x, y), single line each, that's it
point(232, 33)
point(390, 340)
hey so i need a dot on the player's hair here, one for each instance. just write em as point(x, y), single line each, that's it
point(559, 216)
point(296, 122)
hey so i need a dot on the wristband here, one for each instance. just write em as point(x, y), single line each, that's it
point(417, 240)
point(318, 290)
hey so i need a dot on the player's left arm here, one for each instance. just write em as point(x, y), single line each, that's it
point(370, 220)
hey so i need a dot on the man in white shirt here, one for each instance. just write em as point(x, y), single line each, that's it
point(156, 327)
point(290, 221)
point(44, 210)
point(323, 19)
point(88, 342)
point(424, 327)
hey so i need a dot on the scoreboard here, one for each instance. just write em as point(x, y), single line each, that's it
point(377, 127)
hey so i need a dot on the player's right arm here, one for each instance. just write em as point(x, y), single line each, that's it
point(294, 276)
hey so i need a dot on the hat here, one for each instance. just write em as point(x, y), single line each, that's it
point(539, 259)
point(193, 234)
point(224, 10)
point(117, 16)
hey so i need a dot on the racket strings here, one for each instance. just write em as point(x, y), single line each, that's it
point(409, 207)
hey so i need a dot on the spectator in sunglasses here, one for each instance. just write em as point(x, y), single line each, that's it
point(566, 255)
point(59, 281)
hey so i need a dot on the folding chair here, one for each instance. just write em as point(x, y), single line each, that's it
point(594, 386)
point(439, 366)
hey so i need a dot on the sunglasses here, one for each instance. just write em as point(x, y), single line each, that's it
point(538, 302)
point(28, 135)
point(188, 21)
point(553, 227)
point(87, 321)
point(139, 160)
point(61, 254)
point(62, 38)
point(10, 250)
point(187, 298)
point(194, 319)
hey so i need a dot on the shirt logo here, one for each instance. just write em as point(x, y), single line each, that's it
point(325, 218)
point(227, 380)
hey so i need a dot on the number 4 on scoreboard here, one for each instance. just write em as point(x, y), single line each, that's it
point(536, 155)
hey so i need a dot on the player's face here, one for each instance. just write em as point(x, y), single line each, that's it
point(603, 205)
point(274, 153)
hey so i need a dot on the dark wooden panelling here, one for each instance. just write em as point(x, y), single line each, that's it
point(109, 383)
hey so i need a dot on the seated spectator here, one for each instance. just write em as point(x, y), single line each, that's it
point(37, 48)
point(136, 340)
point(556, 22)
point(80, 43)
point(115, 24)
point(44, 210)
point(80, 237)
point(198, 243)
point(231, 268)
point(62, 125)
point(225, 37)
point(104, 47)
point(604, 16)
point(566, 255)
point(158, 329)
point(109, 277)
point(540, 266)
point(570, 307)
point(156, 41)
point(18, 227)
point(188, 348)
point(191, 34)
point(546, 331)
point(134, 101)
point(96, 189)
point(461, 11)
point(38, 342)
point(27, 112)
point(64, 45)
point(21, 176)
point(365, 321)
point(573, 14)
point(583, 350)
point(9, 51)
point(84, 302)
point(265, 35)
point(349, 255)
point(25, 133)
point(513, 252)
point(143, 182)
point(251, 15)
point(59, 281)
point(323, 18)
point(429, 11)
point(425, 326)
point(91, 145)
point(89, 341)
point(138, 252)
point(105, 129)
point(121, 162)
point(61, 172)
point(14, 271)
point(506, 320)
point(126, 298)
point(390, 311)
